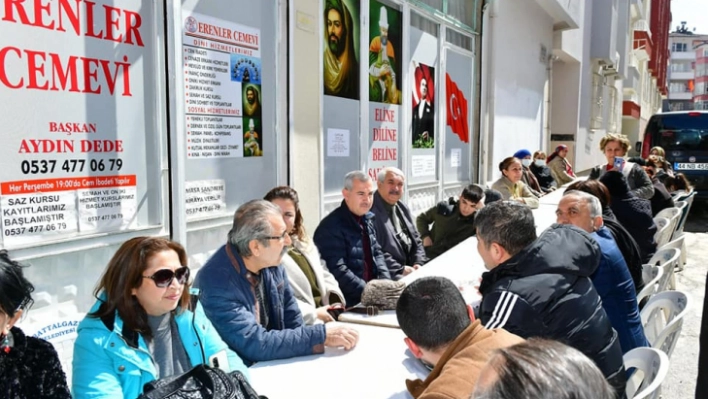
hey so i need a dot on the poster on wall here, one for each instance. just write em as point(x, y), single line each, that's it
point(75, 97)
point(423, 101)
point(385, 97)
point(222, 75)
point(341, 50)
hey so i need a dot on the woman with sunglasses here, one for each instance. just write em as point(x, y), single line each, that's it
point(142, 327)
point(29, 367)
point(313, 285)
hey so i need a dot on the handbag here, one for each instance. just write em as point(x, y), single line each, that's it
point(201, 382)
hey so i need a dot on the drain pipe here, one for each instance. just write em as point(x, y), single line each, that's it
point(549, 101)
point(489, 13)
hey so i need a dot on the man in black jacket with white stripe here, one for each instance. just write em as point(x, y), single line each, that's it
point(542, 288)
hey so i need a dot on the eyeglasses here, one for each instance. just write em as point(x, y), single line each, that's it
point(163, 278)
point(280, 237)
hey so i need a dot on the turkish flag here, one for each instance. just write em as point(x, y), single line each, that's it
point(457, 110)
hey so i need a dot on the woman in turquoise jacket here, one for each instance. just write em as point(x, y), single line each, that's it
point(139, 330)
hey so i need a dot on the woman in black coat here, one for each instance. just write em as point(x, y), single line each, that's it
point(542, 172)
point(632, 212)
point(29, 367)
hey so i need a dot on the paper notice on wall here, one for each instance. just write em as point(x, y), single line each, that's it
point(205, 198)
point(107, 209)
point(223, 98)
point(423, 165)
point(26, 218)
point(456, 157)
point(337, 143)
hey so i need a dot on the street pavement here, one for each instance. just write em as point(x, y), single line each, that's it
point(680, 383)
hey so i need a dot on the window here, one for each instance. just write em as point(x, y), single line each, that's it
point(679, 47)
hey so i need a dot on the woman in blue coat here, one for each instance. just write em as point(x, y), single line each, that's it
point(142, 328)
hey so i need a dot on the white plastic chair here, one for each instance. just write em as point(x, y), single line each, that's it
point(651, 367)
point(680, 244)
point(651, 274)
point(688, 199)
point(663, 232)
point(667, 259)
point(683, 207)
point(674, 215)
point(662, 318)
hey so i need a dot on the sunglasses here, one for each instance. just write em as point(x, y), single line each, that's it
point(163, 278)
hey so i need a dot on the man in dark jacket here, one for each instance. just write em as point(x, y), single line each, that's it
point(395, 230)
point(452, 221)
point(347, 240)
point(612, 280)
point(246, 295)
point(542, 288)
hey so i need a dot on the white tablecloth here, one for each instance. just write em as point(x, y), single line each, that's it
point(376, 368)
point(380, 364)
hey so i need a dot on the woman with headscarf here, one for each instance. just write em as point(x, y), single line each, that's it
point(633, 213)
point(560, 167)
point(528, 177)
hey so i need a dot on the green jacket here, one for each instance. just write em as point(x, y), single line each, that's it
point(449, 227)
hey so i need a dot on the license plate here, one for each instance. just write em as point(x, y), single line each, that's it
point(691, 166)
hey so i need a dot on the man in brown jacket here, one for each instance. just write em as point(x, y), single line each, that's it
point(441, 331)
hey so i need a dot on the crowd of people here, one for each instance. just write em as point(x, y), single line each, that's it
point(271, 291)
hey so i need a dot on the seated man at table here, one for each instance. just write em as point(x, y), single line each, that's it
point(542, 288)
point(441, 331)
point(347, 242)
point(540, 368)
point(452, 220)
point(246, 295)
point(612, 280)
point(395, 229)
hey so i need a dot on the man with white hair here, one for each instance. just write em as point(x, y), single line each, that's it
point(611, 279)
point(395, 226)
point(347, 241)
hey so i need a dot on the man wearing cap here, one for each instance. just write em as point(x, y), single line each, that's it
point(382, 69)
point(452, 221)
point(527, 176)
point(395, 228)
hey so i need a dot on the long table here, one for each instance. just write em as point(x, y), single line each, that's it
point(380, 363)
point(376, 368)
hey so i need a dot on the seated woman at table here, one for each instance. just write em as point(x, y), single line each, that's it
point(616, 146)
point(626, 244)
point(678, 186)
point(510, 185)
point(661, 198)
point(315, 288)
point(561, 170)
point(542, 172)
point(528, 177)
point(633, 213)
point(29, 366)
point(142, 327)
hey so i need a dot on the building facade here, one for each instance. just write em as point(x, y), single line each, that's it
point(687, 62)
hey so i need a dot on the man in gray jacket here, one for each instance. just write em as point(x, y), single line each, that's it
point(395, 226)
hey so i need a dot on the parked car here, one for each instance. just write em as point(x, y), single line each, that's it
point(684, 137)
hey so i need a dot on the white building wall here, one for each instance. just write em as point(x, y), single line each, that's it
point(587, 141)
point(521, 28)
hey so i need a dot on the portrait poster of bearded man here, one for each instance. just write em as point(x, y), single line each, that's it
point(341, 66)
point(252, 101)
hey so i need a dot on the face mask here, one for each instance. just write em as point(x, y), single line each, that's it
point(540, 162)
point(526, 162)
